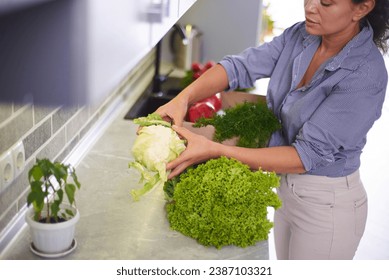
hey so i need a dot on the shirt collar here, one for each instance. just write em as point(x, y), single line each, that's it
point(351, 56)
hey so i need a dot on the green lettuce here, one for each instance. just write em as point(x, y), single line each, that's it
point(151, 119)
point(156, 145)
point(222, 202)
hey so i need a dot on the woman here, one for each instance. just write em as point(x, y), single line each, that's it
point(327, 87)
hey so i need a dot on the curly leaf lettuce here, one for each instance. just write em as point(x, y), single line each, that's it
point(155, 145)
point(222, 202)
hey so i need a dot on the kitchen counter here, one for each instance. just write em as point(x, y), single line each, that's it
point(112, 225)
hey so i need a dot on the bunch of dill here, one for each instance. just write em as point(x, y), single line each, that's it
point(252, 124)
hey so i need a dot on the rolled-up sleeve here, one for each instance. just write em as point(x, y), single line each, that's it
point(326, 120)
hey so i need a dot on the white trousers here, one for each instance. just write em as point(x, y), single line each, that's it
point(320, 218)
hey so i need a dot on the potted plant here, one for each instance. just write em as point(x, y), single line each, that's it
point(52, 218)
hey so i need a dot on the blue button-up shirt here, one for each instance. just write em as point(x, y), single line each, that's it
point(326, 121)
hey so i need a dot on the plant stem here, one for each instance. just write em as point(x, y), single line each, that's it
point(47, 184)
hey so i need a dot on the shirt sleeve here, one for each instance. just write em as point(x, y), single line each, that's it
point(255, 62)
point(339, 126)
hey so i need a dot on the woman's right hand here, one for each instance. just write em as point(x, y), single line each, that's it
point(212, 81)
point(174, 111)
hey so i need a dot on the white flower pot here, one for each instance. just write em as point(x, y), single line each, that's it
point(52, 238)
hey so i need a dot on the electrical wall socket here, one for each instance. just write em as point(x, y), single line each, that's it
point(6, 170)
point(12, 164)
point(19, 159)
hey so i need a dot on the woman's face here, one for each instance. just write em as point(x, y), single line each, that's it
point(330, 17)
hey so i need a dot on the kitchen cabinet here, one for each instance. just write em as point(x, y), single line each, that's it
point(168, 17)
point(8, 6)
point(41, 53)
point(166, 14)
point(76, 52)
point(185, 5)
point(121, 32)
point(117, 39)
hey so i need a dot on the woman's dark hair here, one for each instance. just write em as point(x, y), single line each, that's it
point(379, 21)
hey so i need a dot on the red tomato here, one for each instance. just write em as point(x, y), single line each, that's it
point(196, 66)
point(196, 75)
point(209, 64)
point(199, 110)
point(205, 108)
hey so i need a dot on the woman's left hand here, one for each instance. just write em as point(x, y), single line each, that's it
point(198, 149)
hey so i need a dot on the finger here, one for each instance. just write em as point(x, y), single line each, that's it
point(178, 122)
point(138, 130)
point(168, 118)
point(181, 131)
point(161, 112)
point(176, 162)
point(177, 171)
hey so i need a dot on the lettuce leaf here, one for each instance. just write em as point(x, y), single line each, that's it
point(151, 119)
point(222, 202)
point(156, 145)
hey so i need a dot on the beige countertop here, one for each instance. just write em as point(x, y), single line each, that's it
point(112, 225)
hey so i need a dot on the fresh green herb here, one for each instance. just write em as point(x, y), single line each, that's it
point(222, 202)
point(252, 123)
point(244, 89)
point(50, 182)
point(187, 79)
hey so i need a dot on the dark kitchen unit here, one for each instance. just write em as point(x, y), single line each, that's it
point(150, 101)
point(163, 87)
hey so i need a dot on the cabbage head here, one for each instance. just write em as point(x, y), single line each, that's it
point(156, 145)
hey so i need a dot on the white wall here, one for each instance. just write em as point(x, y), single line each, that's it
point(285, 13)
point(374, 172)
point(375, 157)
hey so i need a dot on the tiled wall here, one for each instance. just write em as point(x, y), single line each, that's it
point(51, 132)
point(45, 132)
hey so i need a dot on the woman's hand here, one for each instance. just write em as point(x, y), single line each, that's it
point(199, 149)
point(174, 111)
point(213, 80)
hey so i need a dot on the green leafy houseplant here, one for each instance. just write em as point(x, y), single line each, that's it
point(49, 184)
